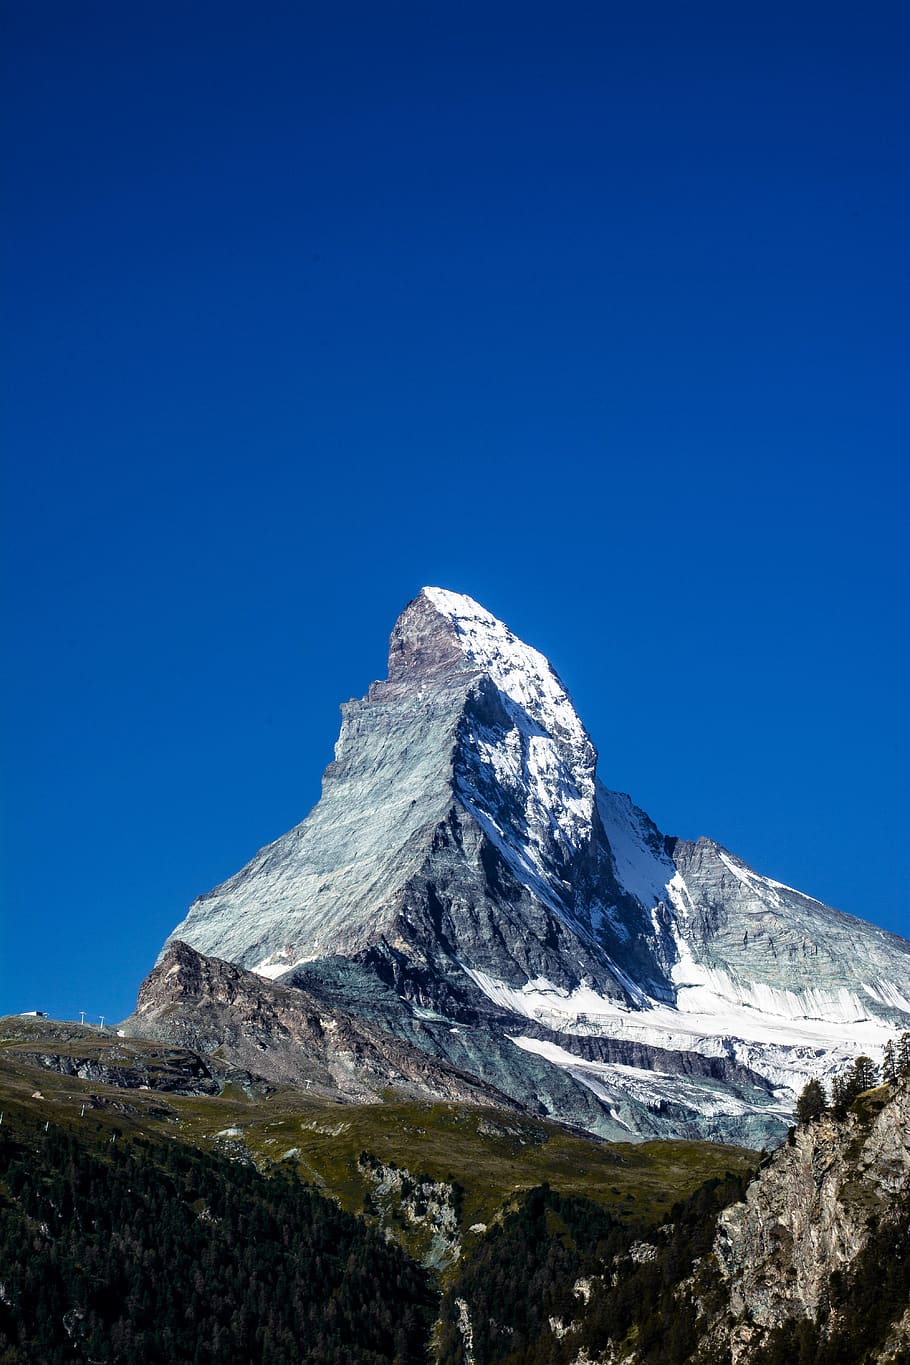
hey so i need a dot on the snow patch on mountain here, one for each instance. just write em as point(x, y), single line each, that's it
point(276, 964)
point(517, 770)
point(613, 1082)
point(785, 1038)
point(710, 991)
point(642, 865)
point(547, 1003)
point(714, 1005)
point(525, 769)
point(886, 993)
point(766, 888)
point(782, 886)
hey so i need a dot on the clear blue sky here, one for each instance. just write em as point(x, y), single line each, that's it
point(598, 313)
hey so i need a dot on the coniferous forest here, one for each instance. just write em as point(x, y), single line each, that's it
point(165, 1254)
point(522, 1282)
point(162, 1253)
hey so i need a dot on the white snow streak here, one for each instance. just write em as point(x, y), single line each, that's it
point(613, 1081)
point(786, 1048)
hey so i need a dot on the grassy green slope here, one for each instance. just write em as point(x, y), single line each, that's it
point(492, 1155)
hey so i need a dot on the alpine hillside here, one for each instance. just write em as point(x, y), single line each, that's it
point(468, 885)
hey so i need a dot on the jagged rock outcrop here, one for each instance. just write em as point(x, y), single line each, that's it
point(808, 1216)
point(179, 1070)
point(465, 855)
point(425, 1210)
point(286, 1035)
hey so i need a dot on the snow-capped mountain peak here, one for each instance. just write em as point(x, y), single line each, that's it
point(522, 673)
point(464, 850)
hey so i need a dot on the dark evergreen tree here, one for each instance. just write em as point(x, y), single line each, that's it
point(865, 1074)
point(812, 1102)
point(841, 1096)
point(889, 1064)
point(903, 1055)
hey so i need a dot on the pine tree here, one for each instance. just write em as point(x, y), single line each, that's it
point(812, 1102)
point(842, 1095)
point(903, 1055)
point(865, 1074)
point(889, 1064)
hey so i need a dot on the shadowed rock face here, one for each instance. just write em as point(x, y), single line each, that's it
point(465, 853)
point(180, 1071)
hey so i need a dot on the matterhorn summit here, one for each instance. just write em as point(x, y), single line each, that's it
point(467, 880)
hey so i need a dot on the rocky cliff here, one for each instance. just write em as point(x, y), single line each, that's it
point(785, 1252)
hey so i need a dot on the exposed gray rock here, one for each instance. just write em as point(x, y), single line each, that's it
point(179, 1071)
point(808, 1214)
point(425, 1207)
point(770, 935)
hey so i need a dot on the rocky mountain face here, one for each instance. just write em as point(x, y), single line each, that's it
point(468, 881)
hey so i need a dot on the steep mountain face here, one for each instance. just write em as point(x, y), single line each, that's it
point(465, 854)
point(458, 823)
